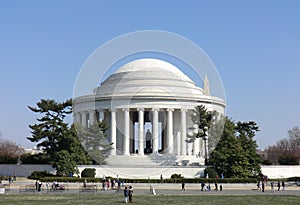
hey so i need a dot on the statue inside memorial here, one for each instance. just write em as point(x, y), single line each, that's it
point(148, 149)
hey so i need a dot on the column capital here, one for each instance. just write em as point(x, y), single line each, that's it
point(170, 109)
point(140, 109)
point(155, 109)
point(183, 110)
point(125, 109)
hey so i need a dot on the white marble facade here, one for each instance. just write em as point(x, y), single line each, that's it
point(147, 94)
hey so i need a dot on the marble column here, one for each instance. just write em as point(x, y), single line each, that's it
point(75, 117)
point(183, 133)
point(113, 132)
point(178, 143)
point(141, 132)
point(155, 131)
point(206, 147)
point(126, 140)
point(196, 147)
point(91, 117)
point(84, 119)
point(170, 138)
point(101, 115)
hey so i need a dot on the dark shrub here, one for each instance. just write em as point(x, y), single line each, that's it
point(34, 159)
point(39, 174)
point(288, 160)
point(88, 172)
point(266, 162)
point(210, 172)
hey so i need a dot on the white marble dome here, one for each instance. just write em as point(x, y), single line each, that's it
point(149, 78)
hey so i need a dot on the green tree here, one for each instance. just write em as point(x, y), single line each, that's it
point(51, 129)
point(65, 164)
point(94, 140)
point(215, 131)
point(246, 132)
point(235, 155)
point(227, 158)
point(208, 126)
point(202, 119)
point(59, 142)
point(72, 144)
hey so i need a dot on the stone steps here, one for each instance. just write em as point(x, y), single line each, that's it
point(153, 160)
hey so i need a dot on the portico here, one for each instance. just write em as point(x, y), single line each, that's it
point(162, 137)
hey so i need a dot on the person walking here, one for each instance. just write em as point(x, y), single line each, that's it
point(278, 186)
point(272, 187)
point(39, 186)
point(263, 186)
point(216, 186)
point(119, 186)
point(182, 186)
point(130, 194)
point(126, 193)
point(202, 186)
point(258, 185)
point(283, 185)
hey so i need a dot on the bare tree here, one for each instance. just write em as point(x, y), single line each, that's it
point(286, 150)
point(9, 151)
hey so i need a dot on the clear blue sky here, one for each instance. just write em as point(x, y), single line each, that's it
point(255, 46)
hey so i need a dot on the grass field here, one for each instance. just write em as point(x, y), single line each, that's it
point(148, 199)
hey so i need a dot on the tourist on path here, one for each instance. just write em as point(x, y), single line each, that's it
point(272, 186)
point(182, 186)
point(283, 185)
point(263, 186)
point(126, 193)
point(202, 186)
point(216, 186)
point(278, 186)
point(258, 185)
point(119, 186)
point(130, 193)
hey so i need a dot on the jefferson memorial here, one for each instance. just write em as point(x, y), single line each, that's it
point(147, 104)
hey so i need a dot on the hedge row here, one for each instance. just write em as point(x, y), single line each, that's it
point(179, 180)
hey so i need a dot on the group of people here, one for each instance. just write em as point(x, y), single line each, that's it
point(272, 185)
point(38, 185)
point(205, 187)
point(111, 184)
point(115, 184)
point(128, 192)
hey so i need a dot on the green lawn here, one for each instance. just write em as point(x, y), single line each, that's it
point(147, 199)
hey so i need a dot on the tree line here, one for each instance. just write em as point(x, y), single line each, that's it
point(285, 151)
